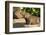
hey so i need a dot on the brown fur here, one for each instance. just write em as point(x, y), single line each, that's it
point(33, 20)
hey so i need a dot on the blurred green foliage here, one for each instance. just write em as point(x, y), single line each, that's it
point(32, 11)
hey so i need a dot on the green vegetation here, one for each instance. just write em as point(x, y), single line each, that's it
point(33, 11)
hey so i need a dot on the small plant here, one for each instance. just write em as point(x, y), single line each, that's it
point(33, 11)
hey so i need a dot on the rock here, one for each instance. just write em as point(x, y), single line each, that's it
point(22, 20)
point(18, 15)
